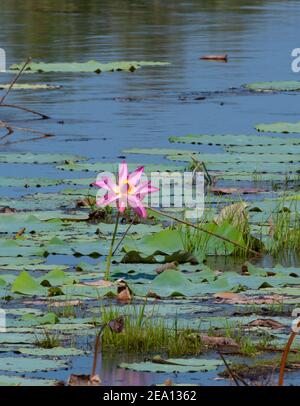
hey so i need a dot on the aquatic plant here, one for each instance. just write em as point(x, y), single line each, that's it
point(129, 191)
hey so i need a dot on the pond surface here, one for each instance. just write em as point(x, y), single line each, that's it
point(106, 113)
point(98, 116)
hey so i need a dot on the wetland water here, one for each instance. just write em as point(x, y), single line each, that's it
point(98, 116)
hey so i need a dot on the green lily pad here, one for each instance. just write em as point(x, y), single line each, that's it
point(169, 283)
point(20, 381)
point(274, 86)
point(158, 151)
point(22, 364)
point(30, 158)
point(113, 167)
point(90, 66)
point(33, 320)
point(237, 158)
point(26, 285)
point(285, 128)
point(177, 365)
point(261, 150)
point(20, 248)
point(232, 139)
point(51, 352)
point(28, 86)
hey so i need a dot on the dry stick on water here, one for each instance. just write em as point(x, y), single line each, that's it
point(30, 130)
point(28, 139)
point(28, 60)
point(9, 129)
point(285, 355)
point(197, 227)
point(43, 116)
point(96, 350)
point(116, 326)
point(14, 106)
point(234, 375)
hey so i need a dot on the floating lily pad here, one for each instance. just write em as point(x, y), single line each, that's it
point(261, 150)
point(175, 365)
point(238, 158)
point(274, 86)
point(30, 158)
point(51, 352)
point(285, 128)
point(91, 66)
point(20, 381)
point(231, 139)
point(113, 167)
point(158, 151)
point(28, 86)
point(26, 285)
point(22, 364)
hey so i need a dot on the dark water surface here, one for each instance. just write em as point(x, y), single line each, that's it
point(103, 114)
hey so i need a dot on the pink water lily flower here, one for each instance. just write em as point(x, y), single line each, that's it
point(129, 191)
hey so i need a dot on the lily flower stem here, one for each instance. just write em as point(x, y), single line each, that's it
point(110, 254)
point(124, 235)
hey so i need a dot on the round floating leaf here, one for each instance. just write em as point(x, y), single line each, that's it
point(285, 128)
point(22, 364)
point(178, 365)
point(90, 66)
point(274, 86)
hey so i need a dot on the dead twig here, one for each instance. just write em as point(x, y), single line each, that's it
point(9, 130)
point(27, 139)
point(14, 106)
point(28, 60)
point(233, 374)
point(285, 356)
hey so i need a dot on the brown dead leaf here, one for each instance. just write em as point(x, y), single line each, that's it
point(240, 191)
point(20, 232)
point(7, 210)
point(84, 380)
point(266, 323)
point(168, 382)
point(221, 57)
point(124, 293)
point(153, 295)
point(54, 304)
point(218, 341)
point(164, 267)
point(236, 298)
point(101, 283)
point(88, 202)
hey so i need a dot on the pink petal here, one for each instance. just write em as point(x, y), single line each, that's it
point(141, 211)
point(135, 176)
point(144, 188)
point(137, 206)
point(107, 200)
point(123, 173)
point(122, 203)
point(105, 183)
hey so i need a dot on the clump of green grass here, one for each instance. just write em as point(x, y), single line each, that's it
point(67, 311)
point(285, 232)
point(49, 340)
point(147, 334)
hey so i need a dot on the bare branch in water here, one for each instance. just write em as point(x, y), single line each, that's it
point(14, 106)
point(28, 60)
